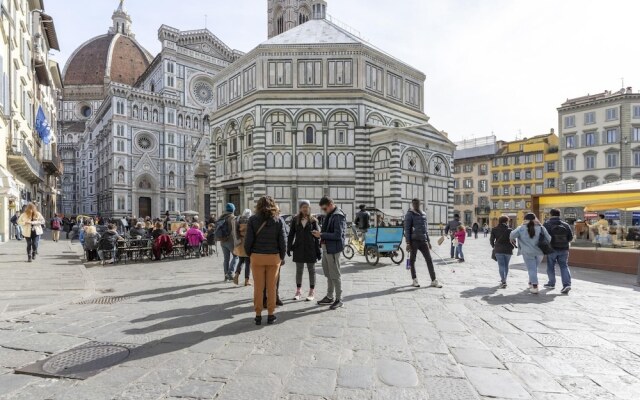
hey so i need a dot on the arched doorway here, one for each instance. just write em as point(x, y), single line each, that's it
point(145, 197)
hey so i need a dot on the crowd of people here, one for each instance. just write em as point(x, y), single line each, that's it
point(260, 242)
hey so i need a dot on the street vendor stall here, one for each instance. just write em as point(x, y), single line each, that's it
point(612, 240)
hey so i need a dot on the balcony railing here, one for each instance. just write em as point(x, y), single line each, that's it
point(51, 161)
point(25, 163)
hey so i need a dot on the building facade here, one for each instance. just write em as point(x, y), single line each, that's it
point(599, 139)
point(29, 81)
point(520, 169)
point(318, 111)
point(472, 179)
point(137, 139)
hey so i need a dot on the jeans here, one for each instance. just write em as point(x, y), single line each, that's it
point(562, 258)
point(19, 232)
point(331, 269)
point(32, 245)
point(423, 247)
point(311, 267)
point(230, 259)
point(503, 266)
point(459, 252)
point(532, 263)
point(246, 261)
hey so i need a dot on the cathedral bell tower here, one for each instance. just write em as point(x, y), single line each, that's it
point(287, 14)
point(121, 21)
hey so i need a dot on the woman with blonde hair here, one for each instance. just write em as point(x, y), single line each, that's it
point(266, 245)
point(32, 222)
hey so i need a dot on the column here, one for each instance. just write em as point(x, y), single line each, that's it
point(395, 176)
point(259, 163)
point(364, 184)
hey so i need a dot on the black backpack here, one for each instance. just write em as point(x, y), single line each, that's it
point(559, 236)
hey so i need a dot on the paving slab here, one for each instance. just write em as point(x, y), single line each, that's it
point(496, 383)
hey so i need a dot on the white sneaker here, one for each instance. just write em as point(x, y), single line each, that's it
point(297, 296)
point(534, 289)
point(312, 295)
point(436, 284)
point(415, 283)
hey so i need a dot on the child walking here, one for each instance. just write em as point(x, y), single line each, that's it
point(460, 236)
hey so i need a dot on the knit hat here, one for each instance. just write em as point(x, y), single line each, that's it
point(230, 208)
point(304, 202)
point(530, 217)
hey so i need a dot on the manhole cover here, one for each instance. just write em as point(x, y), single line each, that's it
point(104, 300)
point(81, 362)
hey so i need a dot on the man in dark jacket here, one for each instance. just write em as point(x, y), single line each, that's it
point(416, 232)
point(109, 242)
point(334, 227)
point(452, 228)
point(362, 220)
point(502, 248)
point(561, 236)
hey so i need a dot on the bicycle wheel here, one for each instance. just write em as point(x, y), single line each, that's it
point(372, 255)
point(397, 256)
point(348, 252)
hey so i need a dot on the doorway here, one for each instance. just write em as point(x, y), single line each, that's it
point(234, 198)
point(144, 207)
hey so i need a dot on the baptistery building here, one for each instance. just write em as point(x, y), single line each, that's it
point(316, 110)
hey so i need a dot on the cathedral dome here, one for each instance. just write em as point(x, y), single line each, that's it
point(116, 56)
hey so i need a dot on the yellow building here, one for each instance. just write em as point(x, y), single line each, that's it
point(521, 169)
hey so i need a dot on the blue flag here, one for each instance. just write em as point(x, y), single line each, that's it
point(42, 126)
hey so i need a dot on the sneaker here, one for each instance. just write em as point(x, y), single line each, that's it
point(326, 301)
point(530, 285)
point(549, 286)
point(298, 295)
point(235, 278)
point(247, 282)
point(461, 260)
point(271, 319)
point(503, 285)
point(566, 290)
point(436, 284)
point(337, 304)
point(534, 289)
point(312, 295)
point(415, 283)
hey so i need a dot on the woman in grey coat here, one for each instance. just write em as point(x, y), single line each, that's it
point(528, 235)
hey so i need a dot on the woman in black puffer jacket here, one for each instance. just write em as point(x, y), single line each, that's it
point(305, 248)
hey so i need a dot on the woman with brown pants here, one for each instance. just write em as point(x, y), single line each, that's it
point(266, 245)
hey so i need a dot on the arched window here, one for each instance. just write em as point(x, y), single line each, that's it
point(180, 121)
point(333, 161)
point(302, 161)
point(351, 161)
point(318, 160)
point(121, 174)
point(287, 160)
point(309, 135)
point(145, 114)
point(70, 139)
point(152, 87)
point(270, 160)
point(135, 112)
point(310, 162)
point(278, 160)
point(188, 122)
point(342, 161)
point(280, 24)
point(172, 179)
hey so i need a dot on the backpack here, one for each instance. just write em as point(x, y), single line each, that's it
point(559, 235)
point(55, 224)
point(223, 230)
point(544, 244)
point(91, 242)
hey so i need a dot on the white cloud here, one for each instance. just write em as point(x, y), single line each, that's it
point(499, 65)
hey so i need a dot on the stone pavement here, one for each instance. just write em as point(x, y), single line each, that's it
point(56, 277)
point(468, 340)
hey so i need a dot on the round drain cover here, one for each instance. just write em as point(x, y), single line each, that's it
point(85, 359)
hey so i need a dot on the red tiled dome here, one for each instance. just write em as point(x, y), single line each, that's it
point(117, 56)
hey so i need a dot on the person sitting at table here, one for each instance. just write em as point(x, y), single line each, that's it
point(195, 238)
point(162, 243)
point(138, 232)
point(211, 238)
point(182, 231)
point(109, 242)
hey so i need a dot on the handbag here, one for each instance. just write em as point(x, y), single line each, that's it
point(493, 255)
point(543, 243)
point(38, 230)
point(441, 240)
point(454, 242)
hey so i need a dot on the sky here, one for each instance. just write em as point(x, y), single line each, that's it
point(493, 66)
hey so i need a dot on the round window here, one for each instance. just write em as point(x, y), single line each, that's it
point(203, 92)
point(144, 142)
point(85, 111)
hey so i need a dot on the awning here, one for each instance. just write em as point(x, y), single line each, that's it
point(50, 31)
point(623, 195)
point(8, 186)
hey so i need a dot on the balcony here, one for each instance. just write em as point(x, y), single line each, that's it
point(51, 161)
point(25, 163)
point(483, 210)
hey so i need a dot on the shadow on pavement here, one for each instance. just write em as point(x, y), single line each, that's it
point(182, 295)
point(523, 297)
point(166, 289)
point(479, 291)
point(356, 268)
